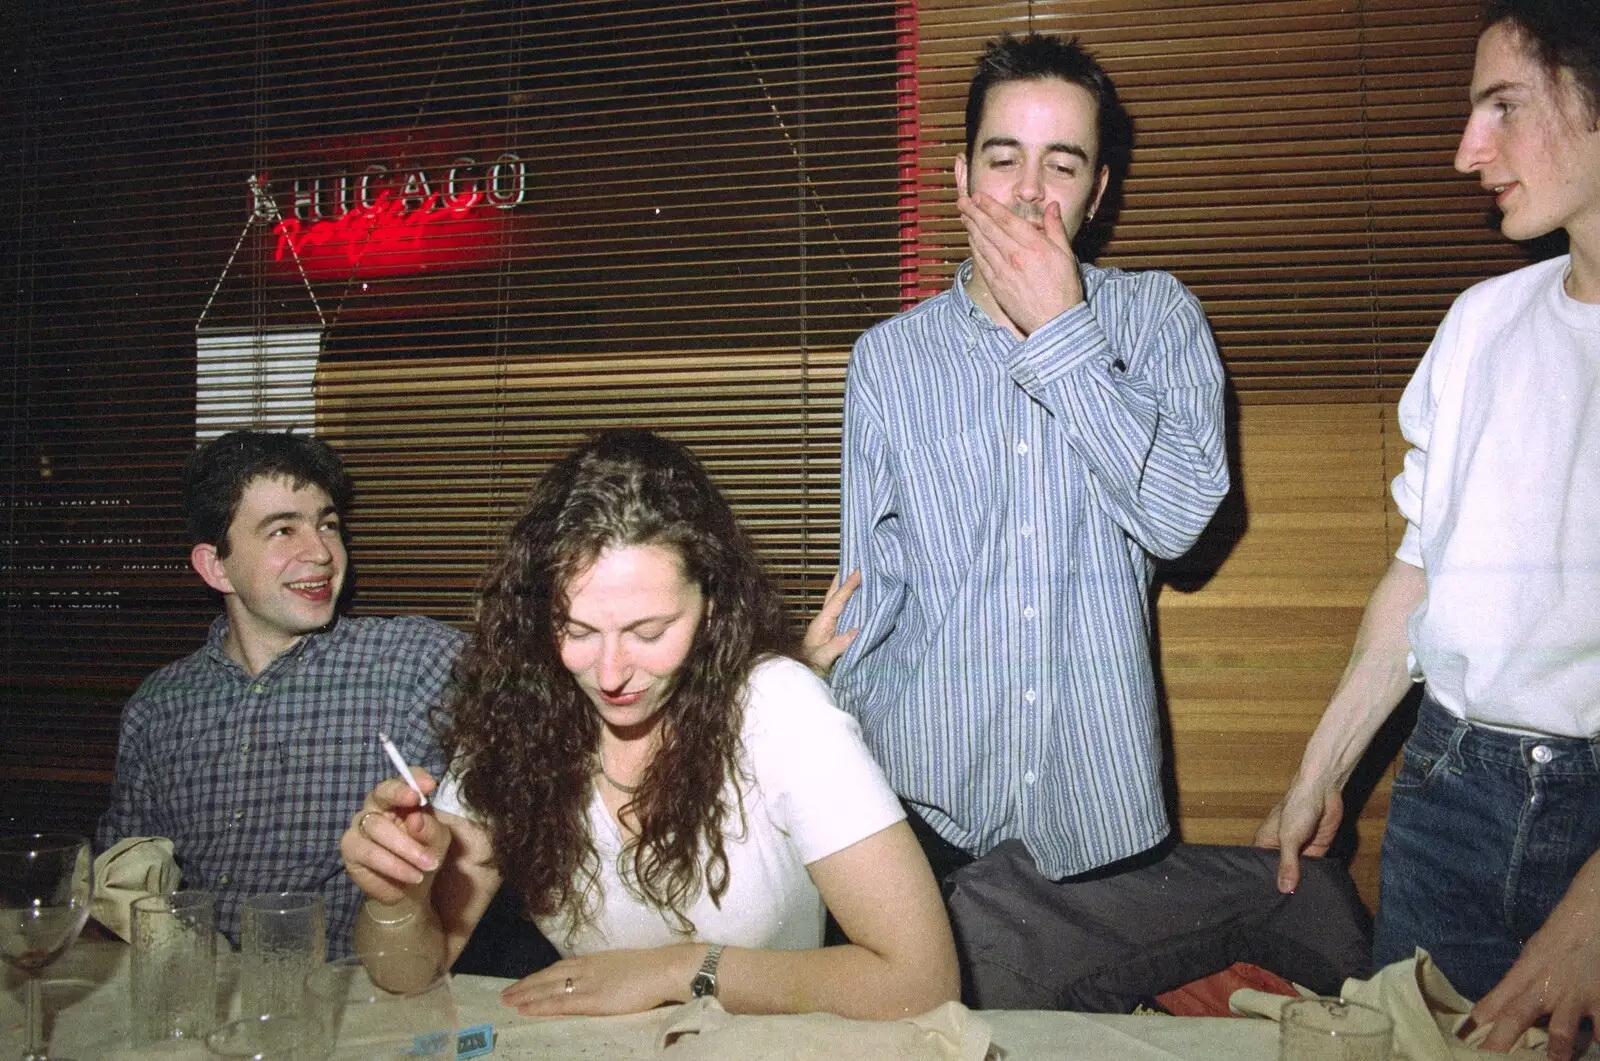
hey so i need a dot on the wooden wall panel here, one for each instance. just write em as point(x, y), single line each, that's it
point(1250, 658)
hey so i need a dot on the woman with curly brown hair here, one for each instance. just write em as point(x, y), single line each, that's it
point(635, 750)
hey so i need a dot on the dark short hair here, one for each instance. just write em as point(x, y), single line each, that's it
point(217, 474)
point(1038, 57)
point(1561, 34)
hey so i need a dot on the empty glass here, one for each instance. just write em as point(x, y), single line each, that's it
point(1329, 1029)
point(268, 1037)
point(412, 1018)
point(172, 986)
point(46, 886)
point(281, 941)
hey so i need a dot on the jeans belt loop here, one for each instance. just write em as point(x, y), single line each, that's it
point(1458, 735)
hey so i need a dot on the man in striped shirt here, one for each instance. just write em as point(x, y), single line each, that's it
point(1017, 453)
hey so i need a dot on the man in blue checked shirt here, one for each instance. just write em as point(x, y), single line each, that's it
point(1017, 453)
point(252, 754)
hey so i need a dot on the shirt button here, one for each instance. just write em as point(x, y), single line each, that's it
point(1030, 696)
point(224, 880)
point(1027, 613)
point(238, 815)
point(1022, 449)
point(245, 746)
point(259, 687)
point(1025, 530)
point(1028, 777)
point(1542, 754)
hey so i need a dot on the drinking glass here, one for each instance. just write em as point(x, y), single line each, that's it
point(46, 886)
point(1329, 1029)
point(172, 986)
point(409, 1015)
point(281, 942)
point(267, 1037)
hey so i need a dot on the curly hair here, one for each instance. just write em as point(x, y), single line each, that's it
point(524, 736)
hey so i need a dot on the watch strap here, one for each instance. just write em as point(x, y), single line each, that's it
point(704, 983)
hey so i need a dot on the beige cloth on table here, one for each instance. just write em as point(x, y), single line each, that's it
point(704, 1031)
point(129, 870)
point(1427, 1012)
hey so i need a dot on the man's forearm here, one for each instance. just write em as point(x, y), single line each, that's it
point(1374, 681)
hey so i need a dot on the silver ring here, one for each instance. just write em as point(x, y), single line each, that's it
point(361, 823)
point(569, 985)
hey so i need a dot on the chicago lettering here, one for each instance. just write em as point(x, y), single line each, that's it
point(378, 189)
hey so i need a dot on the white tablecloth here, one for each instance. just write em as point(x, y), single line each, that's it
point(87, 1020)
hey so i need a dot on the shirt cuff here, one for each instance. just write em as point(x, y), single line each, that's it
point(1059, 346)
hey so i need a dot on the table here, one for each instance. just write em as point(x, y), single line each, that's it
point(87, 1020)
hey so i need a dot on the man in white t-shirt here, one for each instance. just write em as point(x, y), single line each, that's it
point(1491, 859)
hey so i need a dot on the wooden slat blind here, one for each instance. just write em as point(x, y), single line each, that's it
point(701, 212)
point(1292, 166)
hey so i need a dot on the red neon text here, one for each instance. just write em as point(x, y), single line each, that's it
point(380, 223)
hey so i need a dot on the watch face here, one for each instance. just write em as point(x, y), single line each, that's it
point(705, 981)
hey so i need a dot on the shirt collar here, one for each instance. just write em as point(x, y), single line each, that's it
point(307, 648)
point(974, 322)
point(970, 314)
point(980, 335)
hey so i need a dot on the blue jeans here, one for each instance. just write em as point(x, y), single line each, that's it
point(1486, 831)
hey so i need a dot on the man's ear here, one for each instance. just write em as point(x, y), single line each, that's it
point(208, 565)
point(1100, 183)
point(961, 174)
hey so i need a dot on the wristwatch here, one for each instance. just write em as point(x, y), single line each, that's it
point(704, 983)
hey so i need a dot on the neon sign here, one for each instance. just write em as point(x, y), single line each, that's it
point(391, 221)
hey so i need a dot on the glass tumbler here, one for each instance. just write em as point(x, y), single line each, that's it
point(1329, 1029)
point(398, 1006)
point(172, 987)
point(281, 941)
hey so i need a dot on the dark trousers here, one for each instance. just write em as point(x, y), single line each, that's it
point(1106, 940)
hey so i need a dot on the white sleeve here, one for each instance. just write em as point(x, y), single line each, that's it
point(447, 797)
point(1419, 405)
point(821, 786)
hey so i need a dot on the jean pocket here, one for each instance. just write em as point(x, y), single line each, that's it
point(1419, 767)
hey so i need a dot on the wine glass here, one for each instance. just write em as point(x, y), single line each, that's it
point(45, 889)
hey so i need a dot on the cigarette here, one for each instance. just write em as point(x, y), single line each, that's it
point(400, 765)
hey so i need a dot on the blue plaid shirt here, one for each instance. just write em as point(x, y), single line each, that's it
point(255, 778)
point(1004, 500)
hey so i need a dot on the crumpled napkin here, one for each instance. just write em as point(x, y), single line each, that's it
point(1427, 1012)
point(704, 1031)
point(129, 870)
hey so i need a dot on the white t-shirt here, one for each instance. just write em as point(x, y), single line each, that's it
point(816, 790)
point(1502, 496)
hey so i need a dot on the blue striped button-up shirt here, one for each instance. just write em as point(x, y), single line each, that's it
point(1004, 500)
point(254, 777)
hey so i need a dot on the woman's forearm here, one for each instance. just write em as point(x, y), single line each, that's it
point(848, 980)
point(401, 944)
